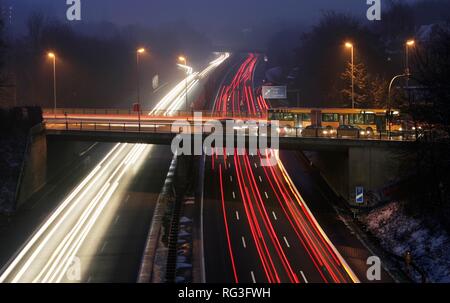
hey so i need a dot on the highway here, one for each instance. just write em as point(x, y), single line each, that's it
point(265, 232)
point(98, 231)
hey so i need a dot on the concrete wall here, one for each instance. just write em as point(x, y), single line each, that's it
point(372, 168)
point(369, 167)
point(46, 159)
point(34, 173)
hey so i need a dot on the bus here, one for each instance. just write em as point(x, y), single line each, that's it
point(371, 120)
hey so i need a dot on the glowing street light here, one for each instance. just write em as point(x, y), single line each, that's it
point(52, 56)
point(409, 44)
point(139, 52)
point(351, 47)
point(184, 60)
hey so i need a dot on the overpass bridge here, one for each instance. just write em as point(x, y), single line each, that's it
point(123, 125)
point(346, 163)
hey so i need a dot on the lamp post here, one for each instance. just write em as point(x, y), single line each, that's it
point(52, 56)
point(389, 98)
point(184, 60)
point(352, 48)
point(408, 44)
point(139, 52)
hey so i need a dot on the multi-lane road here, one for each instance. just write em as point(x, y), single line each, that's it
point(97, 232)
point(257, 226)
point(266, 232)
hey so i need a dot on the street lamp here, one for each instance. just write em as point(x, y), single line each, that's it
point(184, 60)
point(139, 52)
point(352, 48)
point(389, 99)
point(52, 56)
point(408, 44)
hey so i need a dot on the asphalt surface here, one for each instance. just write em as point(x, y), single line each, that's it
point(257, 227)
point(324, 204)
point(94, 228)
point(114, 251)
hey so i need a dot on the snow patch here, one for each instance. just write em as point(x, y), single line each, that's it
point(399, 232)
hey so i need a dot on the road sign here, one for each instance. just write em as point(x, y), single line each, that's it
point(274, 92)
point(359, 195)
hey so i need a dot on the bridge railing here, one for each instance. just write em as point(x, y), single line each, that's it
point(61, 112)
point(168, 128)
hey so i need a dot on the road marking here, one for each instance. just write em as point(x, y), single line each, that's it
point(234, 195)
point(304, 277)
point(127, 198)
point(287, 243)
point(231, 178)
point(253, 277)
point(260, 179)
point(237, 215)
point(256, 166)
point(89, 279)
point(274, 216)
point(267, 196)
point(104, 246)
point(243, 242)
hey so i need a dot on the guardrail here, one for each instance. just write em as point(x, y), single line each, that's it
point(167, 128)
point(145, 113)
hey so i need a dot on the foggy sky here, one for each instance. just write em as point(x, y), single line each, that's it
point(206, 15)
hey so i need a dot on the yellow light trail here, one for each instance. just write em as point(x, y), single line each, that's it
point(48, 253)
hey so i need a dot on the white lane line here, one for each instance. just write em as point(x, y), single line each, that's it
point(237, 215)
point(260, 179)
point(231, 178)
point(104, 246)
point(127, 198)
point(304, 277)
point(287, 243)
point(117, 219)
point(89, 279)
point(234, 195)
point(253, 276)
point(267, 196)
point(274, 216)
point(243, 242)
point(256, 166)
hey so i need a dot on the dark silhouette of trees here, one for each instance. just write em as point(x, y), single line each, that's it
point(370, 91)
point(322, 58)
point(96, 69)
point(430, 108)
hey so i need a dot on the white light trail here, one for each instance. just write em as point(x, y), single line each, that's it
point(48, 253)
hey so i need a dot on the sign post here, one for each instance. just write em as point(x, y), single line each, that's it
point(359, 198)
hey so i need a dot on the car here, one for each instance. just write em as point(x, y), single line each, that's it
point(318, 131)
point(352, 131)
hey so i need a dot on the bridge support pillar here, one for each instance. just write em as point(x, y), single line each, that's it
point(369, 167)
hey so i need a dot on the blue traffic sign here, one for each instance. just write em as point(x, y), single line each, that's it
point(359, 194)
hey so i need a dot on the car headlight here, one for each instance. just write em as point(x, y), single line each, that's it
point(362, 133)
